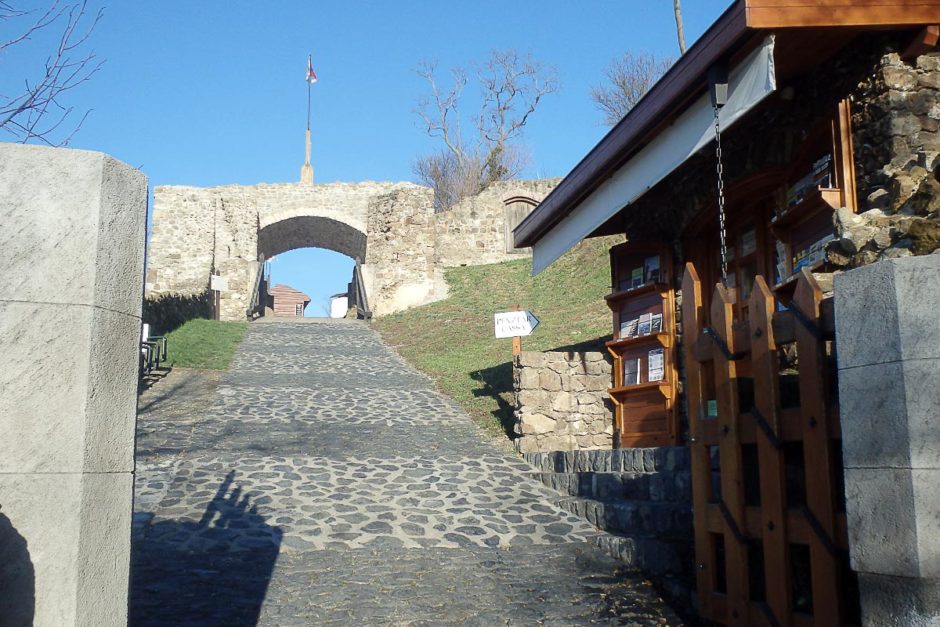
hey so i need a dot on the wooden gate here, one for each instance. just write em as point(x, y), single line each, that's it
point(770, 530)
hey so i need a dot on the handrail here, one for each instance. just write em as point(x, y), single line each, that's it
point(254, 303)
point(362, 304)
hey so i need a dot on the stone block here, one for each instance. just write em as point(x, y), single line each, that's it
point(561, 401)
point(536, 399)
point(899, 601)
point(888, 311)
point(894, 521)
point(70, 403)
point(535, 424)
point(530, 359)
point(549, 381)
point(74, 533)
point(553, 442)
point(925, 484)
point(873, 404)
point(57, 241)
point(597, 383)
point(528, 378)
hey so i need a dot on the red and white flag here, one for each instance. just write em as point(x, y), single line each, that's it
point(311, 75)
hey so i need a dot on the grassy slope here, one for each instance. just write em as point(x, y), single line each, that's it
point(452, 340)
point(206, 344)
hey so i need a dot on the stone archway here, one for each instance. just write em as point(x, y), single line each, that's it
point(312, 231)
point(401, 244)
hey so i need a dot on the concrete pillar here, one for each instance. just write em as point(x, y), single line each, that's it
point(888, 342)
point(72, 228)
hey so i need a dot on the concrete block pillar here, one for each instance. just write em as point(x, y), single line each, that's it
point(72, 228)
point(888, 342)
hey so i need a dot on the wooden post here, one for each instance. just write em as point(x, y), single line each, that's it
point(770, 452)
point(731, 458)
point(818, 455)
point(701, 461)
point(517, 339)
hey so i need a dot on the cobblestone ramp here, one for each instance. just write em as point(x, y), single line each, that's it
point(329, 483)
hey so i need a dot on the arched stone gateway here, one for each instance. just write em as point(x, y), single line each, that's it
point(389, 228)
point(311, 232)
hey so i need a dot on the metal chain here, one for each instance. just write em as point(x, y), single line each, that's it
point(721, 202)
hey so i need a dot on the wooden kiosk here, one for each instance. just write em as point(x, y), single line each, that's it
point(723, 333)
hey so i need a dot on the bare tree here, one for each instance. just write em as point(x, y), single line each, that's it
point(511, 88)
point(630, 77)
point(37, 111)
point(680, 31)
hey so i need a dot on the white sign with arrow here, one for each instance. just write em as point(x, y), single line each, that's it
point(515, 323)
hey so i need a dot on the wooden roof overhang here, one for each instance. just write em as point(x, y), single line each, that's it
point(799, 46)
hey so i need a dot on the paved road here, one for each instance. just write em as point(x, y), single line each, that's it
point(323, 481)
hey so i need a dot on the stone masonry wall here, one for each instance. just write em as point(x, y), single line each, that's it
point(400, 271)
point(561, 401)
point(390, 227)
point(474, 231)
point(896, 117)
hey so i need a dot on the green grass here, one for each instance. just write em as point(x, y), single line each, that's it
point(452, 340)
point(205, 344)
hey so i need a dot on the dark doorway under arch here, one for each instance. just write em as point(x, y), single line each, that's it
point(311, 232)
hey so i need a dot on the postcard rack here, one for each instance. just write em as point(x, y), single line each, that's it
point(643, 349)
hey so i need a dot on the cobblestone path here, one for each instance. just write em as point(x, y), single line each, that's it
point(328, 483)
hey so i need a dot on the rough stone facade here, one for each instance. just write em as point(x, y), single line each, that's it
point(476, 230)
point(391, 228)
point(897, 146)
point(561, 401)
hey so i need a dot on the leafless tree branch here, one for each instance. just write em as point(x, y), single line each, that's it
point(36, 112)
point(511, 88)
point(629, 78)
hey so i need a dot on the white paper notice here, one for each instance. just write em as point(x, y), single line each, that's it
point(656, 365)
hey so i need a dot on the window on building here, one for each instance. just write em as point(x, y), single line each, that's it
point(298, 309)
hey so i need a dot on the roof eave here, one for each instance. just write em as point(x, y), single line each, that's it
point(683, 80)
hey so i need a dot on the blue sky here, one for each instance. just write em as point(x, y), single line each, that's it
point(209, 93)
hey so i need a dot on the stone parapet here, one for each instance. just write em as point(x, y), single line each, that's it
point(888, 340)
point(71, 278)
point(561, 401)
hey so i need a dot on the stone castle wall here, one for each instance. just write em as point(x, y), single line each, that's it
point(475, 231)
point(391, 228)
point(561, 401)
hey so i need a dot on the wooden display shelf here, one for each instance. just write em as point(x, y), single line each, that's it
point(664, 338)
point(664, 387)
point(822, 198)
point(646, 288)
point(645, 412)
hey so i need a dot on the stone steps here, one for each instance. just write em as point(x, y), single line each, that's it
point(672, 487)
point(639, 460)
point(651, 556)
point(638, 499)
point(637, 519)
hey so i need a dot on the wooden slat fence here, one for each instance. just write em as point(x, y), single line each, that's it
point(770, 530)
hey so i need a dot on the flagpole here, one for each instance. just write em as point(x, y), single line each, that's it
point(306, 171)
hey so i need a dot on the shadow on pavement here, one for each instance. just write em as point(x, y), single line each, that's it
point(17, 577)
point(496, 383)
point(212, 572)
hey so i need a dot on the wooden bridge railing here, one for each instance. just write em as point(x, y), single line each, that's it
point(770, 530)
